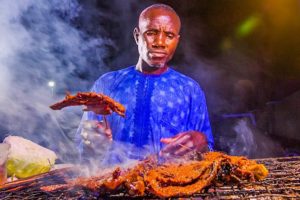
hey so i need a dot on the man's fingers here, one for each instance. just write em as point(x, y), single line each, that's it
point(166, 140)
point(184, 143)
point(175, 145)
point(95, 131)
point(98, 109)
point(182, 139)
point(172, 139)
point(87, 142)
point(90, 125)
point(181, 152)
point(184, 148)
point(85, 108)
point(108, 134)
point(94, 136)
point(84, 135)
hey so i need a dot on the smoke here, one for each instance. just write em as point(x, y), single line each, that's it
point(73, 43)
point(239, 136)
point(234, 79)
point(108, 155)
point(39, 43)
point(69, 43)
point(234, 85)
point(99, 152)
point(251, 142)
point(244, 142)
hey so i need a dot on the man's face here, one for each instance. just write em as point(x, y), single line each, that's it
point(157, 37)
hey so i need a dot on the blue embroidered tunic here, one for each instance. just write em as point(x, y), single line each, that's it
point(157, 106)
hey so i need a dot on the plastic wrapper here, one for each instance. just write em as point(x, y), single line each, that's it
point(27, 158)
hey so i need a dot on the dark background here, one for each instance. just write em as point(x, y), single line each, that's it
point(245, 55)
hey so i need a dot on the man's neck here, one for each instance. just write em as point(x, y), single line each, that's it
point(146, 69)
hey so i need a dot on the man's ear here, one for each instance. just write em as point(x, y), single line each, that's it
point(136, 34)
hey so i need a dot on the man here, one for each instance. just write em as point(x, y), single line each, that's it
point(166, 112)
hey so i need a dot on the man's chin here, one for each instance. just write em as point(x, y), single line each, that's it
point(160, 65)
point(157, 64)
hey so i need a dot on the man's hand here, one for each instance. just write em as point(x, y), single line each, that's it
point(184, 143)
point(98, 109)
point(95, 132)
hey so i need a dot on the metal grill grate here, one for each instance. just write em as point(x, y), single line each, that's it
point(283, 182)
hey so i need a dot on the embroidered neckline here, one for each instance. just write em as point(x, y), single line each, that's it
point(168, 71)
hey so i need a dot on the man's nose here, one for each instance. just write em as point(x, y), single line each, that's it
point(160, 41)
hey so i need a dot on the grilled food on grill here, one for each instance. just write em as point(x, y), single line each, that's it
point(129, 180)
point(90, 98)
point(166, 182)
point(236, 168)
point(215, 168)
point(172, 179)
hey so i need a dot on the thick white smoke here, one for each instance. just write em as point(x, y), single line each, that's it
point(38, 43)
point(64, 41)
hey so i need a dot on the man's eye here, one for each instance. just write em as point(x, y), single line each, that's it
point(170, 36)
point(149, 33)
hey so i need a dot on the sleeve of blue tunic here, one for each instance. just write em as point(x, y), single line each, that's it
point(199, 118)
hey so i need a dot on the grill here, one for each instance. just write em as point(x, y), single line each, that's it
point(283, 182)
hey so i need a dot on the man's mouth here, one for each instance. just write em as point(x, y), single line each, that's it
point(157, 54)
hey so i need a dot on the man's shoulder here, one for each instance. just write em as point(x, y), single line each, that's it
point(115, 74)
point(185, 80)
